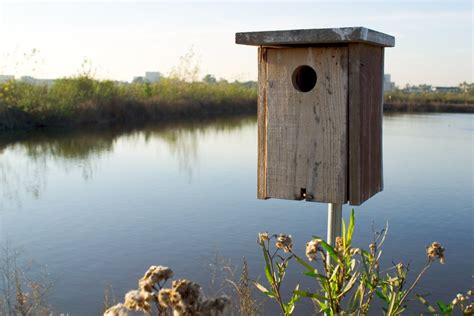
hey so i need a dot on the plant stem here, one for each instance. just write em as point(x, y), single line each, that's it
point(426, 267)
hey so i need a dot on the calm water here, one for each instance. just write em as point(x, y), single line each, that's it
point(99, 207)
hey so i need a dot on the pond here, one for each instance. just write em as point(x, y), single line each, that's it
point(98, 207)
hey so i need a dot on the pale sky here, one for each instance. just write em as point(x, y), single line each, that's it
point(124, 39)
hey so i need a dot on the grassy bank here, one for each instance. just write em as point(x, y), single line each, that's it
point(84, 100)
point(403, 101)
point(428, 107)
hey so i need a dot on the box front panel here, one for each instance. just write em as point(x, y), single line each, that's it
point(306, 123)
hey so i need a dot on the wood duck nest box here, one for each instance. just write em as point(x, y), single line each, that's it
point(320, 109)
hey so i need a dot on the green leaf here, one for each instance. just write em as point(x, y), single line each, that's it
point(349, 285)
point(329, 249)
point(393, 305)
point(304, 263)
point(290, 307)
point(344, 236)
point(356, 300)
point(264, 290)
point(381, 296)
point(350, 230)
point(309, 295)
point(315, 274)
point(423, 301)
point(268, 272)
point(443, 307)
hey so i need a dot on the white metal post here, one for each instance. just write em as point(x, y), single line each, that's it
point(334, 222)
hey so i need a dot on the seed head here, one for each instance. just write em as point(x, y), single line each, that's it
point(312, 249)
point(190, 293)
point(372, 248)
point(154, 275)
point(117, 310)
point(138, 300)
point(469, 310)
point(284, 242)
point(263, 237)
point(169, 298)
point(339, 246)
point(354, 251)
point(435, 251)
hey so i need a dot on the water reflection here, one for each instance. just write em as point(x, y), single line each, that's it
point(26, 159)
point(138, 205)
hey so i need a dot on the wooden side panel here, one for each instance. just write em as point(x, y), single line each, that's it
point(262, 124)
point(306, 132)
point(365, 121)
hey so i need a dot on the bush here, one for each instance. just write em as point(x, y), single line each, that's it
point(82, 99)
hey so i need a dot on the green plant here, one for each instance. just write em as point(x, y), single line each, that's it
point(347, 278)
point(463, 302)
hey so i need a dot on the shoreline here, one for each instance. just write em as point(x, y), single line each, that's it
point(406, 107)
point(15, 121)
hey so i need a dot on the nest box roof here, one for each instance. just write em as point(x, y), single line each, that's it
point(316, 36)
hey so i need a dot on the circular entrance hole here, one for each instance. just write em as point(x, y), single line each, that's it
point(304, 78)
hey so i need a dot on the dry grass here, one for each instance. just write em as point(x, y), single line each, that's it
point(84, 100)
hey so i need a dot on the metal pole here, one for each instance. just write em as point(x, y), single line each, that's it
point(334, 222)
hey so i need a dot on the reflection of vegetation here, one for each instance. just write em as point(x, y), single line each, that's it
point(24, 289)
point(76, 148)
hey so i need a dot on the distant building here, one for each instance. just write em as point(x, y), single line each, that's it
point(5, 78)
point(446, 89)
point(37, 82)
point(388, 85)
point(152, 76)
point(28, 79)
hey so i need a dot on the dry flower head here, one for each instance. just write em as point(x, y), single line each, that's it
point(138, 300)
point(469, 310)
point(339, 246)
point(284, 242)
point(190, 293)
point(262, 237)
point(435, 251)
point(117, 310)
point(154, 275)
point(312, 249)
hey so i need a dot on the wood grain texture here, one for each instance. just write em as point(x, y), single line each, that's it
point(262, 124)
point(311, 37)
point(365, 121)
point(303, 135)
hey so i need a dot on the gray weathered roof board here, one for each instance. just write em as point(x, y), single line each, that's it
point(316, 36)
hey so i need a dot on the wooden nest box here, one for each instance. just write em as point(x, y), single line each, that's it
point(320, 109)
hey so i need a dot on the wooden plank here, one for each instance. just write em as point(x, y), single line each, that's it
point(365, 121)
point(262, 124)
point(307, 131)
point(312, 37)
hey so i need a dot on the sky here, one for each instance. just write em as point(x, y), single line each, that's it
point(121, 39)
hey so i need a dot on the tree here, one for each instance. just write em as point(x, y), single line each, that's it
point(210, 79)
